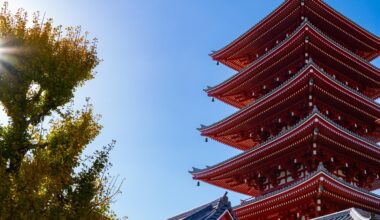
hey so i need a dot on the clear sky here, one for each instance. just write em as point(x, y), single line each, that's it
point(149, 88)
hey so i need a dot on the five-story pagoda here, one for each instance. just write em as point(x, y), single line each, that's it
point(307, 121)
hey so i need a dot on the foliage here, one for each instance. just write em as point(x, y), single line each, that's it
point(42, 172)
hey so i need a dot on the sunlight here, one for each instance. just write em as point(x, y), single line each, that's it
point(7, 59)
point(7, 54)
point(4, 119)
point(4, 50)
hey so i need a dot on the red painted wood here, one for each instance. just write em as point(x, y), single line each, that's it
point(302, 57)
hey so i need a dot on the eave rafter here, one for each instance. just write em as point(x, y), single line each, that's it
point(356, 32)
point(366, 109)
point(307, 123)
point(248, 38)
point(346, 31)
point(287, 144)
point(321, 188)
point(253, 74)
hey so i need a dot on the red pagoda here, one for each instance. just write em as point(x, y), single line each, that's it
point(307, 121)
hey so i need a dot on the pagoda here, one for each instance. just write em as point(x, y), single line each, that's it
point(307, 122)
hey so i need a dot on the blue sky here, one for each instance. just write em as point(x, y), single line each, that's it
point(149, 88)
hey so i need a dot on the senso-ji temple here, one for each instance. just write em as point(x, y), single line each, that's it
point(307, 123)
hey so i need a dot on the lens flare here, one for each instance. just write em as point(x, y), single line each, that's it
point(9, 57)
point(8, 54)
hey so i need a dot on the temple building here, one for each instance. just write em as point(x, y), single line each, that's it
point(219, 209)
point(307, 122)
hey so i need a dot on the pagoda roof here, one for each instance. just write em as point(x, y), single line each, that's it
point(322, 183)
point(298, 135)
point(214, 210)
point(287, 14)
point(368, 71)
point(285, 8)
point(350, 214)
point(216, 131)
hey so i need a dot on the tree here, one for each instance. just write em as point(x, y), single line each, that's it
point(42, 170)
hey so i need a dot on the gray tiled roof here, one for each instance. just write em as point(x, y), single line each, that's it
point(209, 211)
point(350, 214)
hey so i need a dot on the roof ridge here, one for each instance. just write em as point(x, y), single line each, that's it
point(350, 20)
point(213, 210)
point(281, 43)
point(305, 22)
point(345, 86)
point(342, 47)
point(321, 169)
point(250, 29)
point(343, 17)
point(197, 170)
point(286, 82)
point(262, 97)
point(282, 133)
